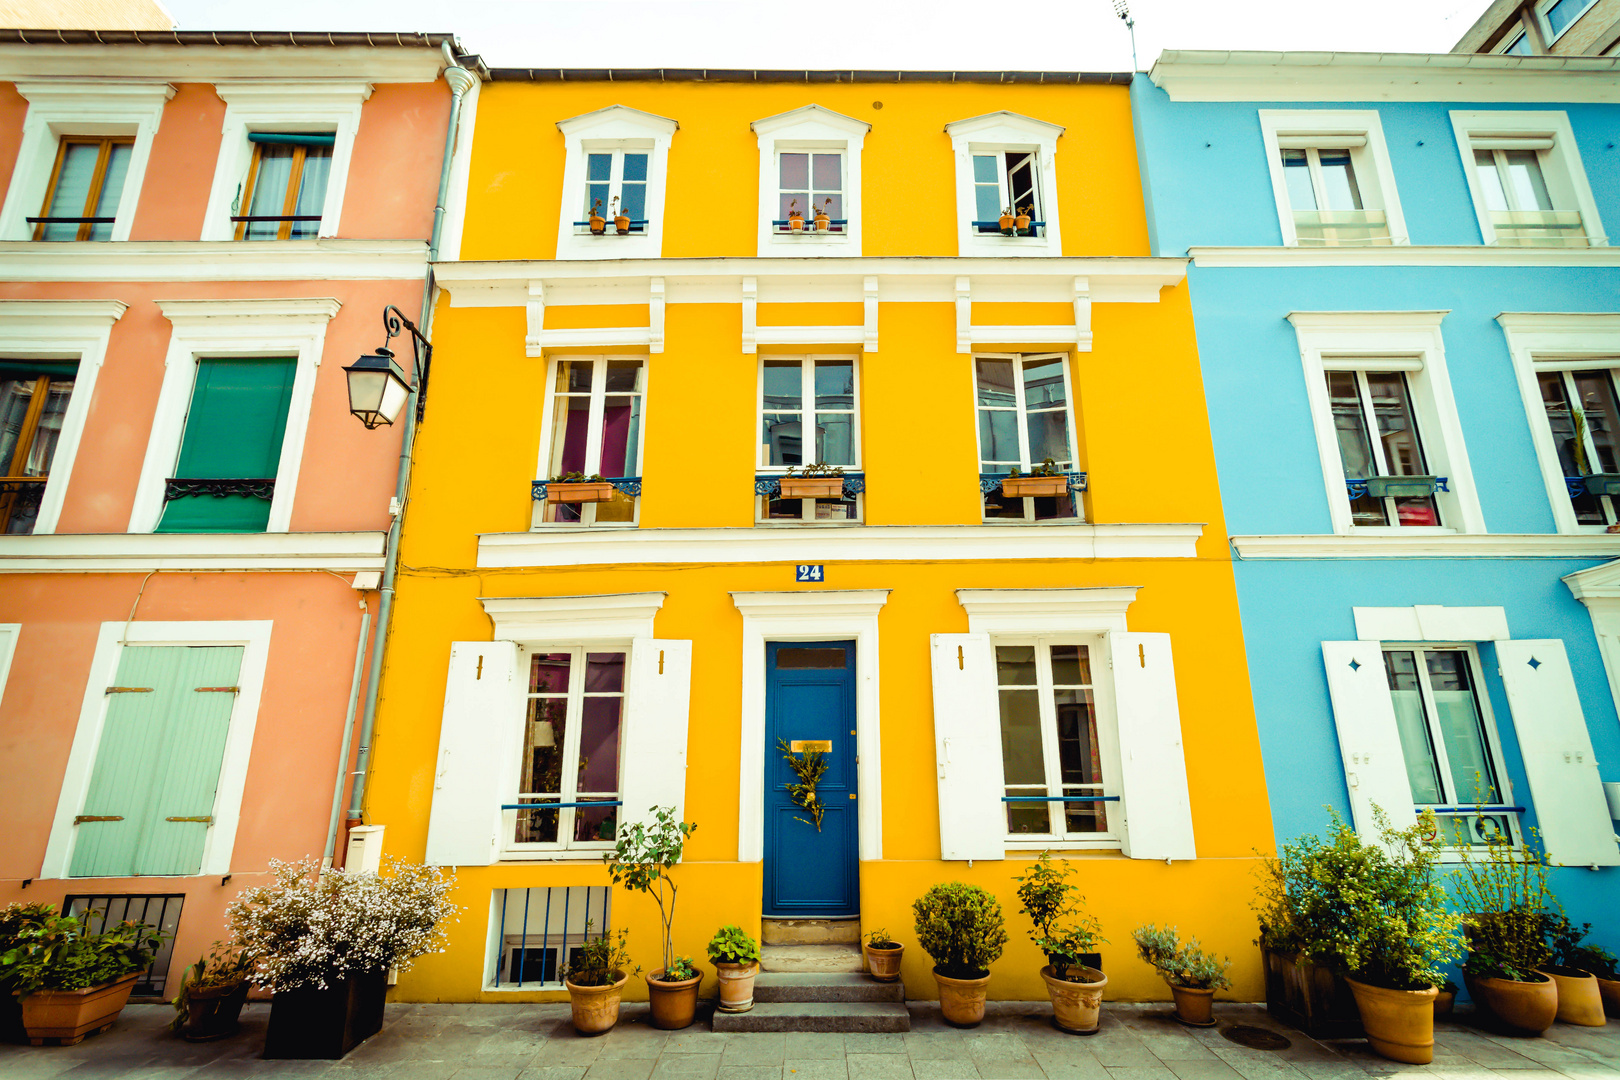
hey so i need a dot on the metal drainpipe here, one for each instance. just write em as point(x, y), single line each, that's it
point(460, 81)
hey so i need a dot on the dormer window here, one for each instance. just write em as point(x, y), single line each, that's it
point(812, 189)
point(1005, 184)
point(810, 182)
point(1006, 176)
point(615, 191)
point(613, 184)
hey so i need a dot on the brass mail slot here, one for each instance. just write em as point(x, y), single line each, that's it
point(799, 746)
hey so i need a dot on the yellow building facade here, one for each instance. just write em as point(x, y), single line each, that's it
point(990, 671)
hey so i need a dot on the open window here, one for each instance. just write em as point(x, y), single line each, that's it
point(810, 182)
point(591, 465)
point(809, 442)
point(34, 397)
point(1385, 472)
point(1028, 468)
point(1332, 179)
point(1526, 179)
point(614, 172)
point(569, 760)
point(1006, 184)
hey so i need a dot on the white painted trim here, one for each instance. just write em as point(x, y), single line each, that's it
point(80, 107)
point(1409, 255)
point(61, 330)
point(1431, 622)
point(254, 637)
point(216, 328)
point(385, 61)
point(904, 543)
point(134, 553)
point(1565, 175)
point(811, 128)
point(537, 339)
point(573, 619)
point(9, 632)
point(455, 207)
point(997, 133)
point(1330, 340)
point(1428, 545)
point(196, 260)
point(279, 105)
point(1598, 590)
point(1046, 611)
point(1374, 174)
point(812, 615)
point(617, 127)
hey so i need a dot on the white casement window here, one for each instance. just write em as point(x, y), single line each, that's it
point(570, 754)
point(593, 430)
point(616, 164)
point(1026, 423)
point(1381, 450)
point(1006, 164)
point(810, 161)
point(1526, 179)
point(1332, 180)
point(1557, 16)
point(809, 419)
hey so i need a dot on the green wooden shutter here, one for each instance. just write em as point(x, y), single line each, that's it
point(234, 430)
point(159, 758)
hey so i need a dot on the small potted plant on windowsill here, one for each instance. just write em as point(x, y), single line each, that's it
point(1064, 932)
point(1045, 479)
point(641, 861)
point(1504, 892)
point(621, 220)
point(576, 487)
point(823, 218)
point(595, 981)
point(961, 929)
point(818, 481)
point(212, 993)
point(735, 956)
point(1008, 222)
point(795, 217)
point(598, 223)
point(883, 955)
point(1193, 974)
point(1021, 221)
point(72, 983)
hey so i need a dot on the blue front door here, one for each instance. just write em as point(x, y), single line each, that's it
point(810, 702)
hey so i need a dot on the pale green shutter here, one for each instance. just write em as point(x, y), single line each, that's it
point(108, 828)
point(188, 775)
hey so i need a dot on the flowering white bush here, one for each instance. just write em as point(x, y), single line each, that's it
point(313, 928)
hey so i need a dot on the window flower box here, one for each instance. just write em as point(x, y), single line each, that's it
point(1602, 484)
point(1024, 487)
point(1401, 487)
point(579, 491)
point(812, 487)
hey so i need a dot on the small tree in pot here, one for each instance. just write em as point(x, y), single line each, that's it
point(1503, 891)
point(735, 956)
point(1193, 974)
point(1065, 933)
point(1580, 999)
point(641, 861)
point(960, 927)
point(595, 980)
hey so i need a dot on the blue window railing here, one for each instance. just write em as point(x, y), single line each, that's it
point(771, 484)
point(1036, 228)
point(836, 225)
point(637, 225)
point(1059, 798)
point(989, 482)
point(1360, 487)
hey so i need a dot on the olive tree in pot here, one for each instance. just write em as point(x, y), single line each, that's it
point(641, 860)
point(212, 993)
point(1064, 932)
point(735, 956)
point(71, 982)
point(1193, 974)
point(1503, 891)
point(960, 927)
point(595, 981)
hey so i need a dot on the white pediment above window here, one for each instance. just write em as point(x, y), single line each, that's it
point(545, 619)
point(1004, 126)
point(617, 122)
point(809, 122)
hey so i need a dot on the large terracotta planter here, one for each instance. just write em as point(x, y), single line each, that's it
point(736, 986)
point(961, 1001)
point(1580, 1001)
point(1076, 1006)
point(596, 1008)
point(212, 1012)
point(326, 1024)
point(1445, 1001)
point(1529, 1007)
point(70, 1015)
point(884, 964)
point(1194, 1006)
point(1312, 998)
point(1399, 1023)
point(1609, 990)
point(673, 1004)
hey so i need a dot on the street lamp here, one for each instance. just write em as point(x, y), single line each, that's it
point(378, 388)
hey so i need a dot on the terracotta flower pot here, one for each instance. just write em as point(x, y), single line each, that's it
point(1580, 1001)
point(1399, 1023)
point(1022, 222)
point(1007, 222)
point(212, 1012)
point(70, 1015)
point(1524, 1006)
point(823, 223)
point(1018, 487)
point(961, 1001)
point(673, 1003)
point(1076, 1006)
point(1445, 1001)
point(884, 964)
point(596, 1008)
point(1194, 1006)
point(598, 225)
point(736, 986)
point(796, 222)
point(621, 225)
point(1609, 989)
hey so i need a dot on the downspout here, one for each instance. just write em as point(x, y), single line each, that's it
point(460, 81)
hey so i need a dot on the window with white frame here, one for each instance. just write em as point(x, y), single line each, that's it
point(86, 187)
point(1557, 16)
point(286, 186)
point(1584, 419)
point(810, 188)
point(594, 437)
point(1519, 45)
point(34, 398)
point(1006, 184)
point(1057, 756)
point(1026, 436)
point(1332, 179)
point(541, 929)
point(809, 442)
point(570, 755)
point(810, 182)
point(1386, 475)
point(615, 191)
point(614, 172)
point(1526, 179)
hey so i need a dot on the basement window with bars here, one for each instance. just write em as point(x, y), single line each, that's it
point(536, 932)
point(161, 912)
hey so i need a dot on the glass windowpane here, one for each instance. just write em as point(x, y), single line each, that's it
point(1529, 186)
point(996, 383)
point(828, 174)
point(1599, 414)
point(633, 202)
point(635, 168)
point(112, 189)
point(1339, 180)
point(548, 673)
point(599, 167)
point(1071, 665)
point(1462, 727)
point(312, 190)
point(1422, 769)
point(1397, 430)
point(794, 172)
point(15, 397)
point(1015, 665)
point(1490, 181)
point(1297, 178)
point(269, 190)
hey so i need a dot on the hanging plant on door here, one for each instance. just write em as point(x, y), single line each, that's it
point(809, 768)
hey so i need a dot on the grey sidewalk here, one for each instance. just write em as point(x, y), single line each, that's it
point(1016, 1041)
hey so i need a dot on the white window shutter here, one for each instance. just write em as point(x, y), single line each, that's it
point(1153, 768)
point(1369, 740)
point(652, 766)
point(483, 719)
point(967, 748)
point(1571, 810)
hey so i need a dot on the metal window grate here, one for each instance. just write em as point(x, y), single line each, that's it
point(541, 929)
point(161, 912)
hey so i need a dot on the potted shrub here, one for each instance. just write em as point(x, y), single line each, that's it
point(1008, 222)
point(735, 956)
point(883, 955)
point(578, 488)
point(595, 981)
point(816, 481)
point(16, 920)
point(1504, 892)
point(71, 982)
point(961, 929)
point(1605, 966)
point(212, 993)
point(641, 861)
point(1064, 933)
point(1193, 974)
point(322, 942)
point(795, 217)
point(597, 222)
point(823, 221)
point(1304, 987)
point(621, 220)
point(1580, 999)
point(1044, 479)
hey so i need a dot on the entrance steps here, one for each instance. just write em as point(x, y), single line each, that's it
point(823, 959)
point(818, 988)
point(810, 931)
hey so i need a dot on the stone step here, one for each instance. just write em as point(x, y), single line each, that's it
point(811, 958)
point(810, 931)
point(824, 987)
point(843, 1016)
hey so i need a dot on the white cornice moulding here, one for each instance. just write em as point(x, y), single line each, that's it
point(53, 313)
point(1058, 611)
point(1430, 546)
point(214, 260)
point(638, 120)
point(1595, 583)
point(1563, 323)
point(811, 603)
point(301, 308)
point(808, 114)
point(208, 63)
point(1431, 622)
point(611, 617)
point(1379, 322)
point(133, 553)
point(871, 543)
point(1405, 255)
point(1004, 119)
point(279, 93)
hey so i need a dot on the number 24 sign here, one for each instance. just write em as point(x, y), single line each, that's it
point(809, 572)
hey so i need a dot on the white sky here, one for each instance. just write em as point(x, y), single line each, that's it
point(1049, 35)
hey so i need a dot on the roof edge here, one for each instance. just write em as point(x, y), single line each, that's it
point(746, 75)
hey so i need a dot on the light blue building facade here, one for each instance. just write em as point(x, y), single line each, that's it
point(1408, 317)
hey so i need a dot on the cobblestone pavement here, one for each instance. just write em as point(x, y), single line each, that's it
point(1016, 1041)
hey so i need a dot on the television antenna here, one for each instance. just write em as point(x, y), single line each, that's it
point(1122, 8)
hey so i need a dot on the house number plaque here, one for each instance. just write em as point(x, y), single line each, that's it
point(809, 572)
point(799, 746)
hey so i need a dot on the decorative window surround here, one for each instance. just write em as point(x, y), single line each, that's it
point(1598, 589)
point(573, 619)
point(61, 330)
point(1555, 342)
point(1561, 164)
point(8, 649)
point(1046, 611)
point(272, 327)
point(276, 105)
point(1427, 544)
point(195, 260)
point(254, 637)
point(135, 553)
point(818, 615)
point(1389, 340)
point(1431, 622)
point(1413, 255)
point(56, 109)
point(650, 337)
point(1370, 160)
point(968, 335)
point(1000, 133)
point(811, 127)
point(617, 127)
point(864, 335)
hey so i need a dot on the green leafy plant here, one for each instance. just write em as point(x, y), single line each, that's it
point(1181, 964)
point(1063, 930)
point(960, 927)
point(820, 468)
point(600, 959)
point(680, 970)
point(58, 952)
point(733, 945)
point(223, 965)
point(576, 478)
point(641, 861)
point(809, 768)
point(880, 939)
point(1503, 891)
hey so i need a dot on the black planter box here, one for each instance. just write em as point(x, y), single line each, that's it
point(1316, 1000)
point(309, 1023)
